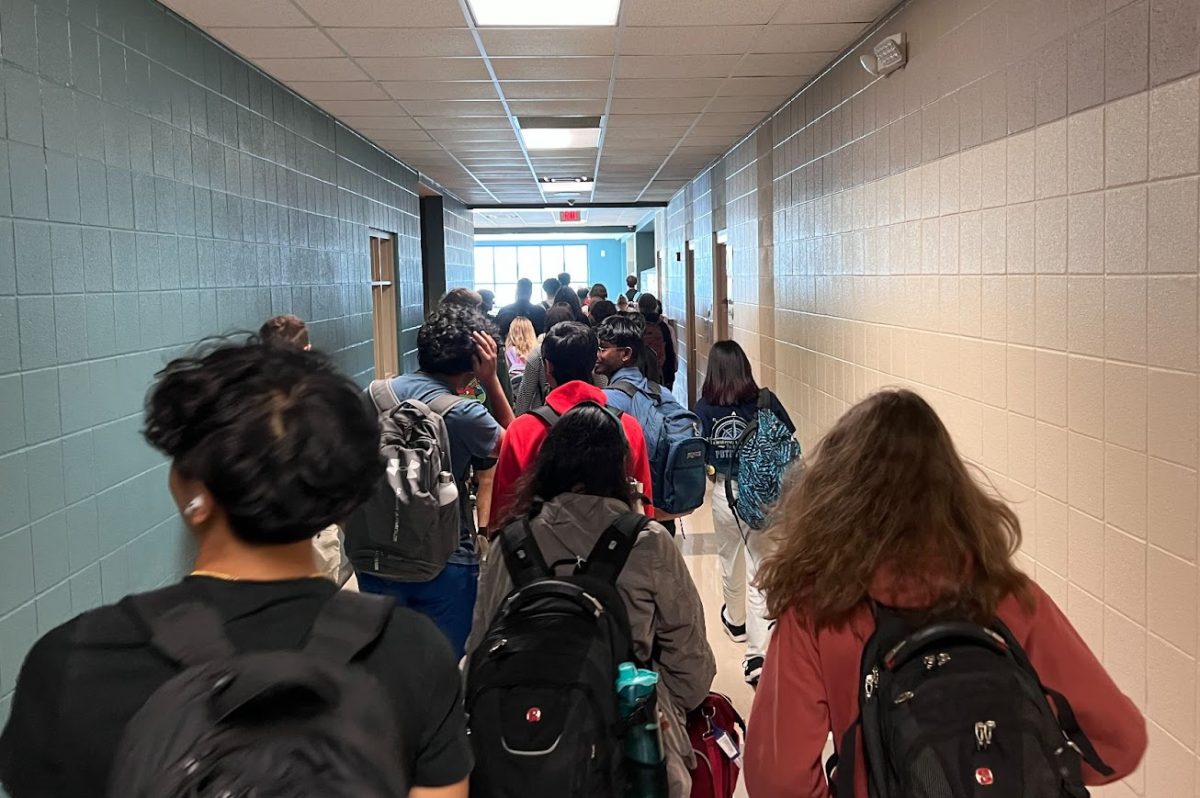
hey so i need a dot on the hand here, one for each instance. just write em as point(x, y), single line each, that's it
point(485, 357)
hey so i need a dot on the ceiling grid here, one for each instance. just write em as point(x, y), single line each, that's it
point(676, 83)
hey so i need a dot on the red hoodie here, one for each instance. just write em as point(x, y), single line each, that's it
point(810, 687)
point(523, 440)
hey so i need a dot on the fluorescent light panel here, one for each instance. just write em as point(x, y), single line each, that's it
point(561, 138)
point(545, 13)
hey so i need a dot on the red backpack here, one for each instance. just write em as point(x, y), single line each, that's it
point(716, 731)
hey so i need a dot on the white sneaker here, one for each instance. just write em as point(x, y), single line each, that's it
point(735, 633)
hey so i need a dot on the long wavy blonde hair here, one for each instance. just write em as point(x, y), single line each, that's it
point(521, 336)
point(886, 489)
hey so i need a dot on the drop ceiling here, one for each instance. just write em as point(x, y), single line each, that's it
point(677, 82)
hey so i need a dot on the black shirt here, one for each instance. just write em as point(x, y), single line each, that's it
point(535, 313)
point(723, 427)
point(83, 682)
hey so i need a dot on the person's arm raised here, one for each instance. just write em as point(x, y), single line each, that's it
point(485, 372)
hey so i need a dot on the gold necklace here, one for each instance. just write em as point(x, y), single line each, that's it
point(231, 578)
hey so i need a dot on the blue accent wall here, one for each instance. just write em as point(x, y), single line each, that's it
point(154, 190)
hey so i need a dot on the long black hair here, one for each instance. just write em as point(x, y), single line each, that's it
point(567, 296)
point(729, 380)
point(585, 452)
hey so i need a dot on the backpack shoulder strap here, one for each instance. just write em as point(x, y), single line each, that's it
point(442, 404)
point(383, 395)
point(1067, 720)
point(624, 386)
point(547, 414)
point(608, 556)
point(522, 556)
point(188, 634)
point(347, 624)
point(764, 399)
point(655, 391)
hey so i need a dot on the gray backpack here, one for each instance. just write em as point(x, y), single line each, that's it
point(409, 527)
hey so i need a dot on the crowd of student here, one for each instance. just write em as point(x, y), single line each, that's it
point(545, 426)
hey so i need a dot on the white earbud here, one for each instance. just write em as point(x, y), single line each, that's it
point(192, 506)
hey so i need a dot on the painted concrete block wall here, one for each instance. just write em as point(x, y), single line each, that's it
point(1009, 225)
point(154, 190)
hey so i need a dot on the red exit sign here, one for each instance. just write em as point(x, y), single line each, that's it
point(570, 216)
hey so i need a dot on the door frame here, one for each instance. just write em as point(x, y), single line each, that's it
point(722, 301)
point(691, 321)
point(385, 303)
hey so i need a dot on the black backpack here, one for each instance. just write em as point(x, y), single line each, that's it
point(956, 710)
point(541, 687)
point(267, 724)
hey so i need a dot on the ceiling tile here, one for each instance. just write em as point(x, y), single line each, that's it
point(667, 13)
point(441, 90)
point(783, 65)
point(548, 41)
point(700, 140)
point(362, 108)
point(666, 105)
point(432, 69)
point(276, 42)
point(464, 123)
point(392, 42)
point(581, 68)
point(394, 136)
point(745, 103)
point(676, 66)
point(745, 119)
point(453, 108)
point(691, 87)
point(239, 13)
point(555, 89)
point(594, 107)
point(398, 122)
point(721, 130)
point(340, 90)
point(481, 136)
point(807, 38)
point(799, 11)
point(716, 40)
point(625, 121)
point(734, 87)
point(311, 69)
point(372, 13)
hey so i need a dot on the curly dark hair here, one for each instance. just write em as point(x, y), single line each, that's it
point(281, 438)
point(444, 343)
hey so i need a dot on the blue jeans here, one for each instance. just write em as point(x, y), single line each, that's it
point(448, 599)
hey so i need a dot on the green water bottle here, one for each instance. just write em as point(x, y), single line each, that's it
point(638, 704)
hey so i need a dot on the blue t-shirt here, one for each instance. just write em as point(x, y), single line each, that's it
point(473, 434)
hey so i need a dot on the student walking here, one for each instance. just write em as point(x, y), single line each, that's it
point(729, 404)
point(267, 445)
point(888, 544)
point(577, 487)
point(394, 550)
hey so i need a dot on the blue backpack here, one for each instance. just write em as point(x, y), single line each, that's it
point(764, 452)
point(674, 445)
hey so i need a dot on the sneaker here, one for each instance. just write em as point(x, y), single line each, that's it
point(753, 668)
point(735, 633)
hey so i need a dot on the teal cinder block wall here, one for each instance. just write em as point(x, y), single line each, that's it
point(154, 190)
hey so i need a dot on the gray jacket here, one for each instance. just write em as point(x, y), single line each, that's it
point(665, 612)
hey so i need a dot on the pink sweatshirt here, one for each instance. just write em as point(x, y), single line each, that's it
point(810, 686)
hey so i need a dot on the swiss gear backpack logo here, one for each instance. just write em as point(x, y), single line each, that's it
point(410, 526)
point(949, 707)
point(300, 724)
point(541, 688)
point(677, 471)
point(765, 451)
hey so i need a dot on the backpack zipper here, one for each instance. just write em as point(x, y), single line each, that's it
point(871, 682)
point(983, 734)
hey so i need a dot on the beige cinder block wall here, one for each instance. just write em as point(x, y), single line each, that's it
point(1009, 225)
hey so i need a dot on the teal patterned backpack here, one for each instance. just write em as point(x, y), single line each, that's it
point(765, 451)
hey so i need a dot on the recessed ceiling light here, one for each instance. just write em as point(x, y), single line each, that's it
point(539, 13)
point(561, 138)
point(566, 185)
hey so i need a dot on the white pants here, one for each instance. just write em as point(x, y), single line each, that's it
point(740, 558)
